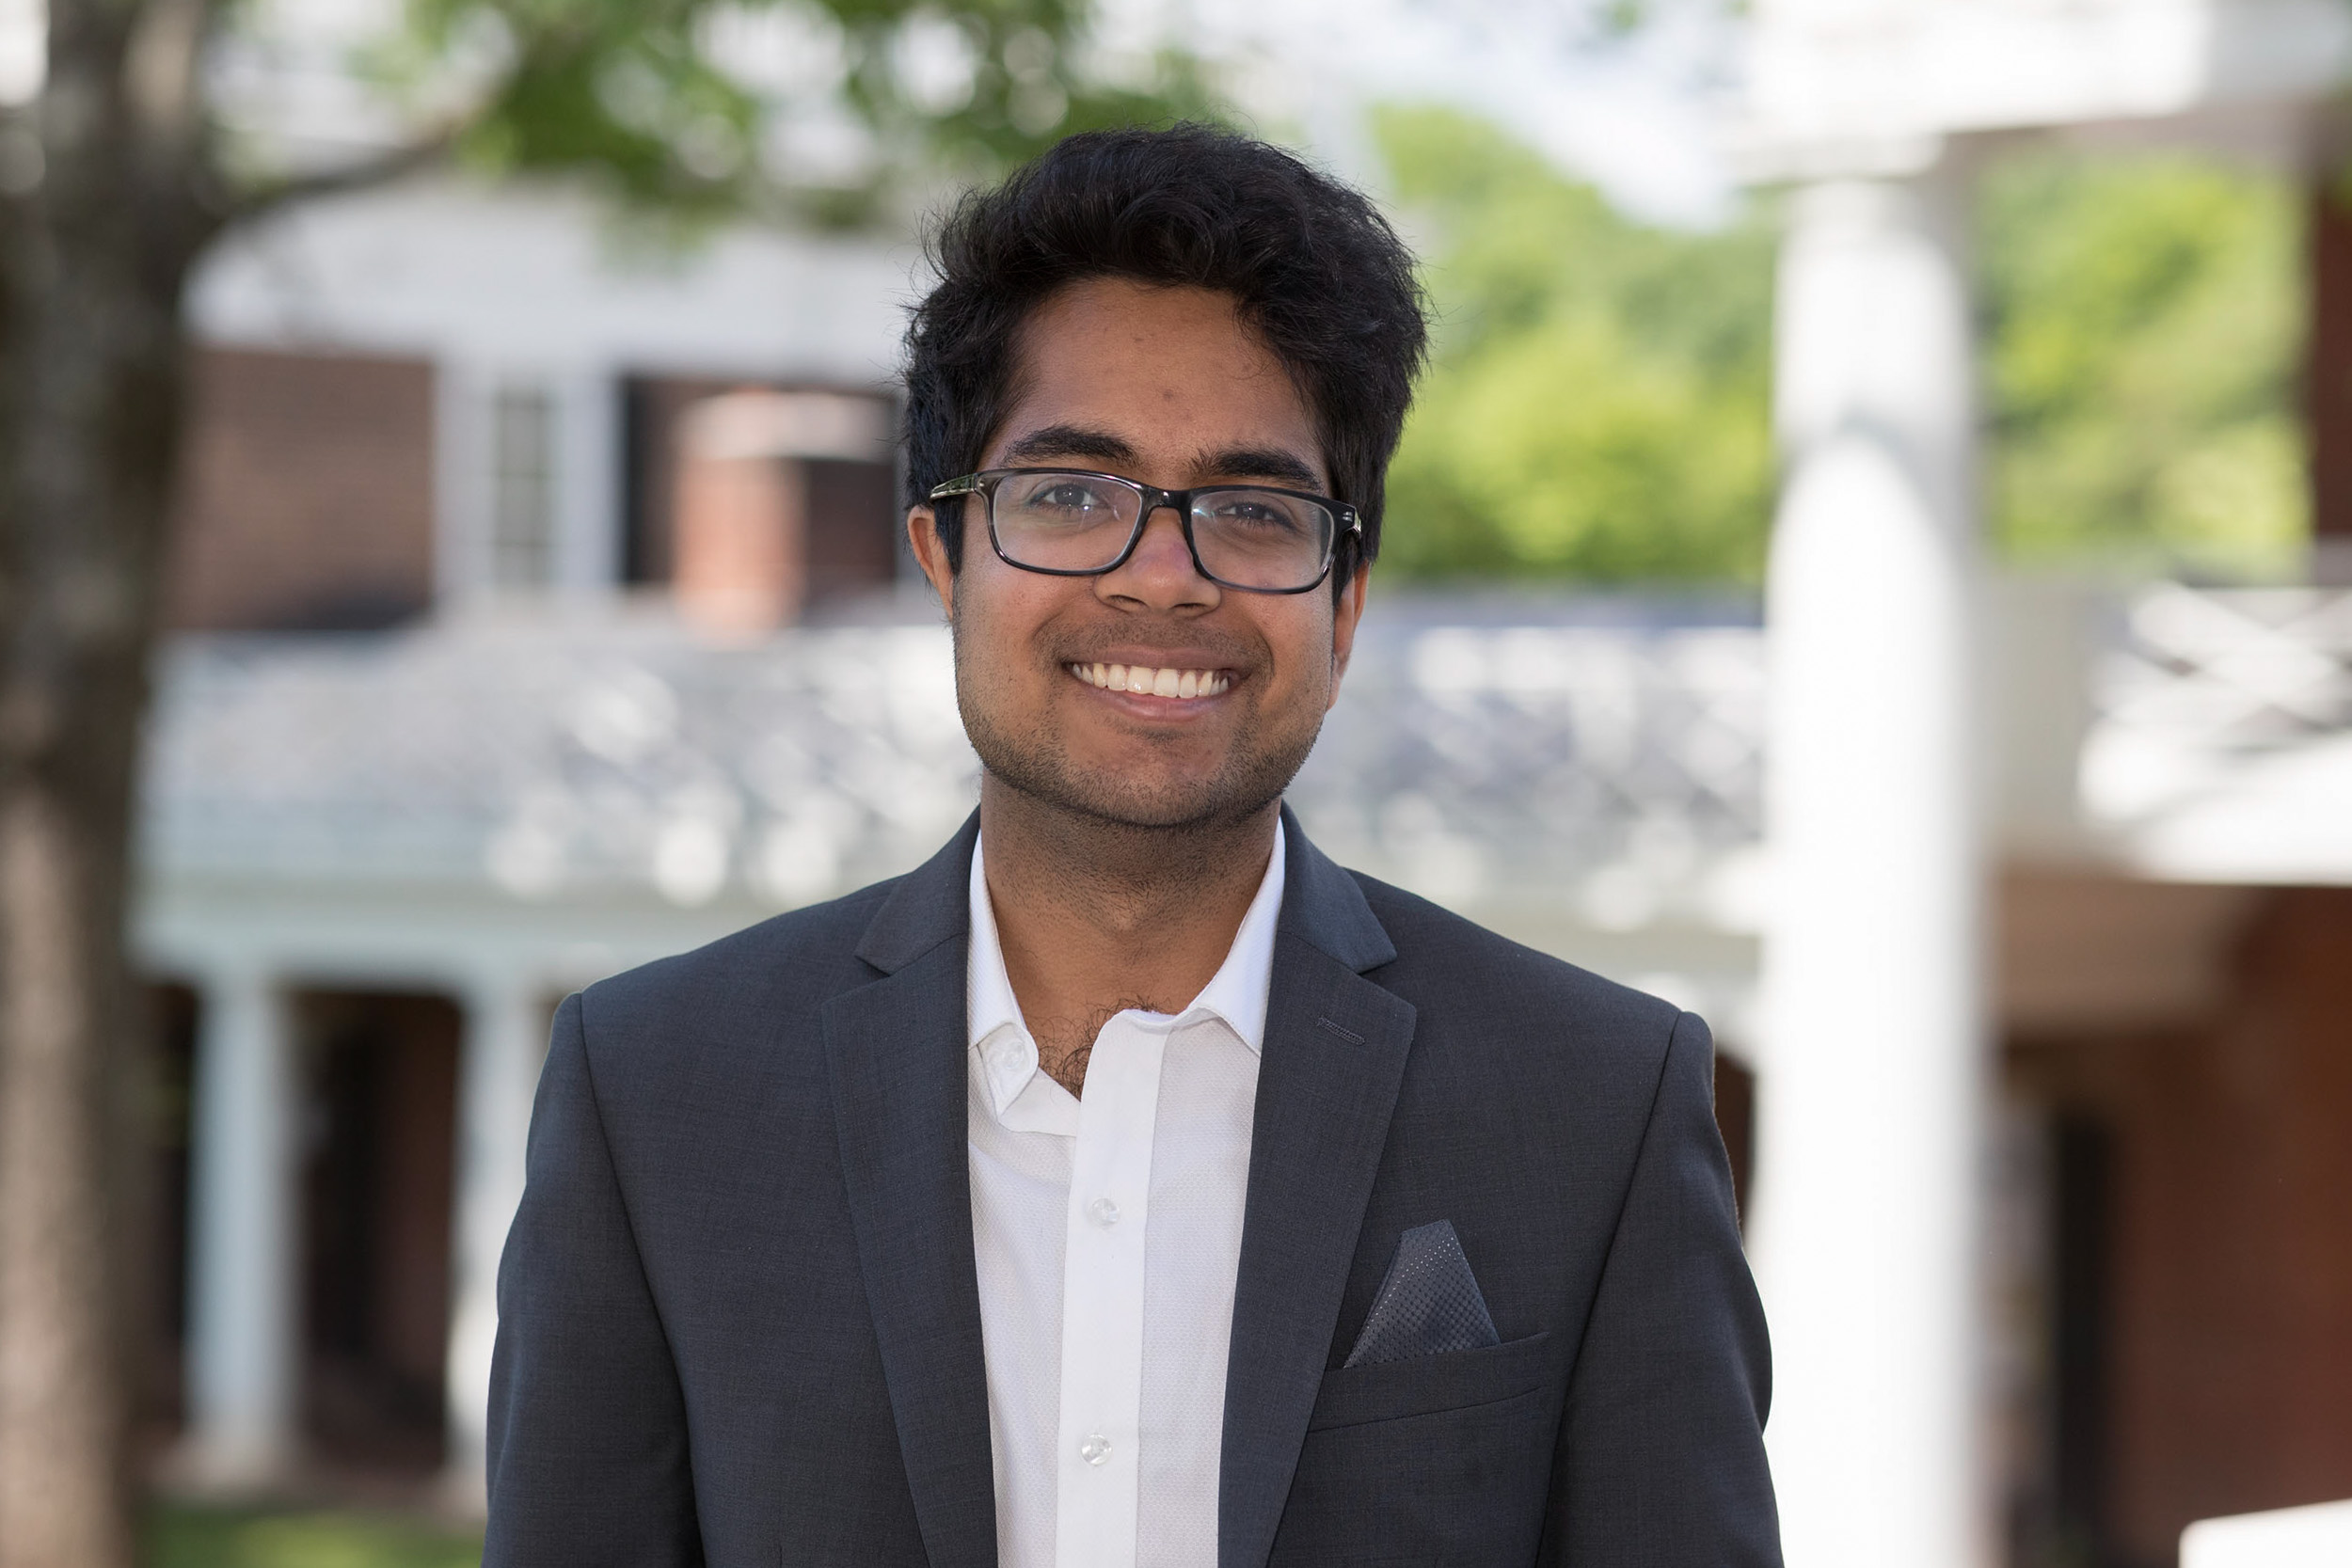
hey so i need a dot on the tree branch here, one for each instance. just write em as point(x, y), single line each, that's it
point(365, 174)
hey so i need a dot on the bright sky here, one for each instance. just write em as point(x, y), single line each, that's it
point(1639, 119)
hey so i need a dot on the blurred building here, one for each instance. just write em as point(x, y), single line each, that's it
point(451, 457)
point(2180, 1087)
point(541, 611)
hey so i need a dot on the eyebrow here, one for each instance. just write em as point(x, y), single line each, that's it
point(1068, 441)
point(1260, 463)
point(1237, 463)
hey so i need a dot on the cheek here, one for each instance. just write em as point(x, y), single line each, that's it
point(999, 625)
point(1303, 653)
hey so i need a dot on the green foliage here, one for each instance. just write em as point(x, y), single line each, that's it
point(213, 1538)
point(2143, 317)
point(687, 106)
point(1596, 405)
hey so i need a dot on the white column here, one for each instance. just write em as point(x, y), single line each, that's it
point(505, 1043)
point(244, 1332)
point(1865, 1222)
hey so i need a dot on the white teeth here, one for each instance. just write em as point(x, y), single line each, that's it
point(1145, 681)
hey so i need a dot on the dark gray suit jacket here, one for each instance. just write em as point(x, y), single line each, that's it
point(739, 1322)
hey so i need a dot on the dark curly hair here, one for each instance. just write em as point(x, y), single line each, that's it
point(1312, 264)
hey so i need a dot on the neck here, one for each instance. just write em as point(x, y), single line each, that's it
point(1095, 917)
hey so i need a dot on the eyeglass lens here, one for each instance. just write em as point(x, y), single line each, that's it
point(1078, 522)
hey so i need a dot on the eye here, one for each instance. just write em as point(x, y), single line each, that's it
point(1256, 512)
point(1068, 498)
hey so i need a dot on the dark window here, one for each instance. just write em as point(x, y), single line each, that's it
point(852, 517)
point(379, 1122)
point(2082, 1207)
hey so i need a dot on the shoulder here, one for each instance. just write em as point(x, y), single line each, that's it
point(1439, 951)
point(1503, 1010)
point(783, 967)
point(706, 1073)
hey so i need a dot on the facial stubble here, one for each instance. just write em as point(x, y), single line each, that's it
point(1256, 767)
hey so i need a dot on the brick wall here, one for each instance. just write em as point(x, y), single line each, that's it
point(849, 515)
point(306, 492)
point(2226, 1340)
point(2328, 359)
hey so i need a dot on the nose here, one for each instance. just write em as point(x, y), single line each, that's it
point(1159, 573)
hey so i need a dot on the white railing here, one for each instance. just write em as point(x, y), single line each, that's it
point(2319, 1536)
point(2220, 747)
point(1614, 767)
point(1603, 758)
point(1474, 754)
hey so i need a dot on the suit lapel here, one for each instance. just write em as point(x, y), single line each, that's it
point(1334, 1055)
point(1335, 1049)
point(896, 1049)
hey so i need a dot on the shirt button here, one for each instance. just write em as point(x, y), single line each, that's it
point(1103, 1212)
point(1095, 1449)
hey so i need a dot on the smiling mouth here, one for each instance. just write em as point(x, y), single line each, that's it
point(1143, 680)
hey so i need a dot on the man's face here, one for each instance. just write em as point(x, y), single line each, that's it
point(1169, 386)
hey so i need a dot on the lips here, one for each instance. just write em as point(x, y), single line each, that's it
point(1145, 680)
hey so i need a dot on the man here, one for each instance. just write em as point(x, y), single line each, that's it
point(1129, 1184)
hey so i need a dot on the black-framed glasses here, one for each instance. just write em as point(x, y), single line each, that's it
point(1070, 523)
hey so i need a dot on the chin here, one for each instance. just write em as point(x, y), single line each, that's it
point(1159, 804)
point(1150, 803)
point(1140, 788)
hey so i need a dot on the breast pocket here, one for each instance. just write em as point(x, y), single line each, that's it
point(1424, 1385)
point(1438, 1461)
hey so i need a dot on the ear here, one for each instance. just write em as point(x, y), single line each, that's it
point(1345, 615)
point(930, 553)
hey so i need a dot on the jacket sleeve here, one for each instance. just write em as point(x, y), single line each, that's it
point(1660, 1461)
point(588, 1459)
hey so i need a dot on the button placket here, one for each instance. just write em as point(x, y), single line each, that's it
point(1103, 1284)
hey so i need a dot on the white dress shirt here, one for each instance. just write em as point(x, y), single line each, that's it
point(1119, 1218)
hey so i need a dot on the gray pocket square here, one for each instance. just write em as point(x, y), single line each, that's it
point(1428, 1302)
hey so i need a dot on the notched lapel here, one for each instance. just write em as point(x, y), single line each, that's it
point(896, 1050)
point(1335, 1050)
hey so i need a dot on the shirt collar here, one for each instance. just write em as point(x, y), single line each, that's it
point(1237, 991)
point(1236, 994)
point(987, 999)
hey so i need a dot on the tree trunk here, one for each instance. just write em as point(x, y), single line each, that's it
point(93, 256)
